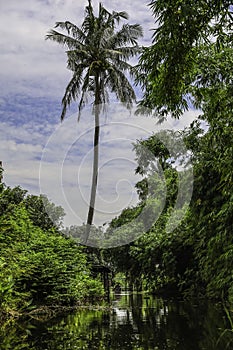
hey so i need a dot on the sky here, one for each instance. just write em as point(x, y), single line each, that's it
point(38, 152)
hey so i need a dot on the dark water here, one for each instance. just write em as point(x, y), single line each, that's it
point(134, 322)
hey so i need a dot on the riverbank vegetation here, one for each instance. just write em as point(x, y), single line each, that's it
point(39, 265)
point(188, 67)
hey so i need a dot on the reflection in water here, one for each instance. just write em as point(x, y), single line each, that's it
point(134, 322)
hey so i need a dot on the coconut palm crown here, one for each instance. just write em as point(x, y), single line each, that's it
point(98, 54)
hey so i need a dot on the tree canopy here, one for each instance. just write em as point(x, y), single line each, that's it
point(169, 69)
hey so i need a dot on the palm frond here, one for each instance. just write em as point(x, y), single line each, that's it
point(63, 39)
point(77, 58)
point(104, 15)
point(114, 60)
point(118, 15)
point(111, 18)
point(123, 53)
point(120, 85)
point(89, 20)
point(105, 36)
point(72, 29)
point(86, 86)
point(128, 34)
point(72, 91)
point(104, 91)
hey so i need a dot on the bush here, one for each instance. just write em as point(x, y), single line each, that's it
point(40, 267)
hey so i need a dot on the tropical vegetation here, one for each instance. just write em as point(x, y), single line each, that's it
point(188, 67)
point(39, 265)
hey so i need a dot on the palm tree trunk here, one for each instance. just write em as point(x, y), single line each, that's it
point(95, 161)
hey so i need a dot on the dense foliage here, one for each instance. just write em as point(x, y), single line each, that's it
point(167, 69)
point(39, 265)
point(189, 64)
point(195, 259)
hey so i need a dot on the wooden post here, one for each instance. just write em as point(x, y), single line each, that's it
point(104, 271)
point(106, 285)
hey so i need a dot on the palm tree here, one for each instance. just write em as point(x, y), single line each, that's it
point(98, 54)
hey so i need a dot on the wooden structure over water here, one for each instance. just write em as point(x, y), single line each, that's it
point(104, 271)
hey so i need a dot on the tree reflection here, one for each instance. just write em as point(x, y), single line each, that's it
point(134, 322)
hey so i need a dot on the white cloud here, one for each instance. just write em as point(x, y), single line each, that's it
point(31, 65)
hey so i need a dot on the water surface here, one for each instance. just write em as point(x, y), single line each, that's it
point(135, 322)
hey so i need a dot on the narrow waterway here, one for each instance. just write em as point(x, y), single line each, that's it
point(137, 322)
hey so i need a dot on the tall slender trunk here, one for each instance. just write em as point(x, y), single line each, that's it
point(95, 160)
point(1, 171)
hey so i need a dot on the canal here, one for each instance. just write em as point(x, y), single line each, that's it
point(134, 322)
